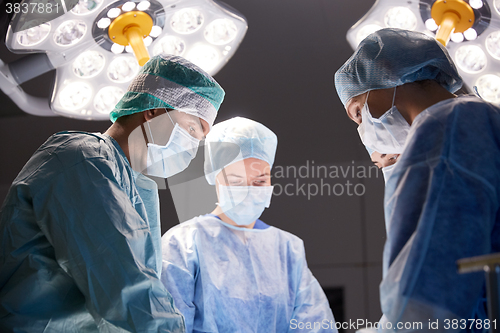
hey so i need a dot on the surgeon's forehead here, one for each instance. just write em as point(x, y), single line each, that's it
point(235, 169)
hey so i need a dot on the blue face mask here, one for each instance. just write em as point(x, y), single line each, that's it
point(244, 204)
point(174, 157)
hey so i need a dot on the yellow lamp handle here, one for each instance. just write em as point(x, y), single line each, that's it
point(129, 29)
point(134, 37)
point(451, 16)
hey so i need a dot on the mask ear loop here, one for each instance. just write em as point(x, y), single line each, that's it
point(366, 100)
point(150, 133)
point(169, 116)
point(146, 137)
point(394, 96)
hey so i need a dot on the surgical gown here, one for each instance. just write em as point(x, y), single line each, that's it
point(230, 279)
point(441, 205)
point(78, 252)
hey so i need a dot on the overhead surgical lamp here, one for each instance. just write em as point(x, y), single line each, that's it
point(469, 29)
point(98, 46)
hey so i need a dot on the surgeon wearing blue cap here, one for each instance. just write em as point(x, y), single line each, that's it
point(229, 271)
point(442, 199)
point(80, 229)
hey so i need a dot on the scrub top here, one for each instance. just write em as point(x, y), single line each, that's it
point(441, 205)
point(79, 253)
point(231, 279)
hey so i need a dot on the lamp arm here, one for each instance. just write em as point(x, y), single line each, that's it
point(30, 104)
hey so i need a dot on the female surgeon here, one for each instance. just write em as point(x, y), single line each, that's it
point(228, 271)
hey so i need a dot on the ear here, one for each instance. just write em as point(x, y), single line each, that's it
point(149, 114)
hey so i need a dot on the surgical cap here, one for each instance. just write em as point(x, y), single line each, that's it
point(392, 57)
point(234, 140)
point(172, 82)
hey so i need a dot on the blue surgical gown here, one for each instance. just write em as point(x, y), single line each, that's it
point(441, 205)
point(231, 279)
point(78, 251)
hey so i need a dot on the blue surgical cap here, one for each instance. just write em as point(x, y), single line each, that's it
point(369, 150)
point(172, 82)
point(392, 57)
point(234, 140)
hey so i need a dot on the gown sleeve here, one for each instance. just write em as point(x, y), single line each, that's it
point(180, 268)
point(101, 241)
point(311, 304)
point(441, 205)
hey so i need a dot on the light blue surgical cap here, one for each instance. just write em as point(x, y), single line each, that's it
point(392, 57)
point(172, 82)
point(370, 151)
point(234, 140)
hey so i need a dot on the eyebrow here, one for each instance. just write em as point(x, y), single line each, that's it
point(233, 175)
point(264, 174)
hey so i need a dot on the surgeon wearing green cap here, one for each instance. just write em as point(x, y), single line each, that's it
point(442, 197)
point(80, 230)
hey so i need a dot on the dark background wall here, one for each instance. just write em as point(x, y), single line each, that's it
point(281, 76)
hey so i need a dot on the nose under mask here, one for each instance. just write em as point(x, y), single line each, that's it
point(386, 134)
point(175, 156)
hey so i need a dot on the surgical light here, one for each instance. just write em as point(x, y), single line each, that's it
point(88, 64)
point(106, 99)
point(400, 17)
point(70, 32)
point(170, 45)
point(122, 69)
point(431, 25)
point(187, 21)
point(75, 96)
point(457, 37)
point(96, 47)
point(476, 4)
point(493, 44)
point(220, 32)
point(85, 7)
point(365, 31)
point(470, 58)
point(33, 36)
point(204, 55)
point(470, 34)
point(470, 29)
point(143, 5)
point(488, 87)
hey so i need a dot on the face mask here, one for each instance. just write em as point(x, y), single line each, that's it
point(386, 134)
point(175, 156)
point(244, 204)
point(387, 172)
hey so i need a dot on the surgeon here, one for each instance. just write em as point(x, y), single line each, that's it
point(80, 234)
point(229, 271)
point(442, 199)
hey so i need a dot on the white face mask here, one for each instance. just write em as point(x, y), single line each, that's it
point(387, 172)
point(175, 156)
point(386, 134)
point(244, 204)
